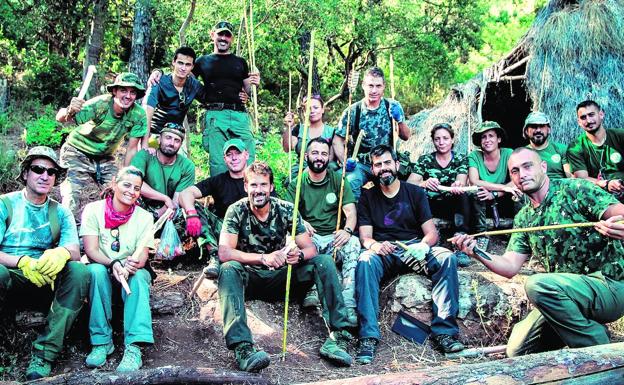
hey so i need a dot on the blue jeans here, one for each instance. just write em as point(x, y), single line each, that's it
point(358, 178)
point(441, 269)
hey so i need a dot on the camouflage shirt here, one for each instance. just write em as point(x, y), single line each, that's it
point(255, 236)
point(576, 250)
point(428, 167)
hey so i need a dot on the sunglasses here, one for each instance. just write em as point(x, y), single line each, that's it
point(224, 24)
point(115, 245)
point(182, 99)
point(40, 170)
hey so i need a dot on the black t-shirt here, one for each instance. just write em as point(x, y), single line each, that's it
point(222, 76)
point(394, 219)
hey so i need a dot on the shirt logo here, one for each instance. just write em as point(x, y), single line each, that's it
point(556, 158)
point(616, 157)
point(331, 198)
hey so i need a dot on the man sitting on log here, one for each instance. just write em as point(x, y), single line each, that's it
point(39, 256)
point(255, 249)
point(597, 155)
point(584, 285)
point(399, 211)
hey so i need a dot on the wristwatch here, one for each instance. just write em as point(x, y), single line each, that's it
point(348, 230)
point(301, 257)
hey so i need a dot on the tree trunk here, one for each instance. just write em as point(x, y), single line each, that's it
point(94, 45)
point(186, 23)
point(603, 364)
point(304, 52)
point(4, 94)
point(139, 55)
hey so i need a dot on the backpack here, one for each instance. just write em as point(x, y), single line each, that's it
point(55, 227)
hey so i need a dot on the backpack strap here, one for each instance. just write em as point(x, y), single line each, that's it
point(7, 203)
point(55, 227)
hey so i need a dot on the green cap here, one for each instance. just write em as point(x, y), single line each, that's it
point(174, 128)
point(536, 117)
point(128, 79)
point(236, 143)
point(223, 26)
point(41, 152)
point(487, 126)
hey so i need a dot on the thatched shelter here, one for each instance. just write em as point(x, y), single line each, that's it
point(573, 51)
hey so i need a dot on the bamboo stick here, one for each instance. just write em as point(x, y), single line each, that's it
point(289, 128)
point(395, 125)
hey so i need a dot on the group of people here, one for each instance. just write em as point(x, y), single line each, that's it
point(387, 229)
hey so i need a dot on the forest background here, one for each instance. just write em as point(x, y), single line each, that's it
point(45, 47)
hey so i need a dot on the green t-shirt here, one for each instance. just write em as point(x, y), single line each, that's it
point(606, 160)
point(427, 166)
point(555, 157)
point(318, 203)
point(130, 233)
point(500, 175)
point(255, 236)
point(99, 132)
point(580, 250)
point(166, 179)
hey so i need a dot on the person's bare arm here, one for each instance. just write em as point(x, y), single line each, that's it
point(92, 249)
point(228, 252)
point(369, 243)
point(131, 150)
point(507, 265)
point(338, 147)
point(404, 131)
point(430, 233)
point(149, 113)
point(67, 114)
point(188, 196)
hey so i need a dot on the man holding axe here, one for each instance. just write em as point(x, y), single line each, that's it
point(583, 287)
point(103, 122)
point(254, 250)
point(373, 115)
point(40, 254)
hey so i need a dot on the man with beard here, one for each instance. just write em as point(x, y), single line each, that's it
point(395, 211)
point(39, 256)
point(166, 172)
point(583, 287)
point(373, 115)
point(225, 189)
point(318, 204)
point(537, 130)
point(224, 76)
point(255, 248)
point(597, 154)
point(103, 122)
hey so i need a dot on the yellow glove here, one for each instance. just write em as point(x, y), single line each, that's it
point(28, 266)
point(52, 261)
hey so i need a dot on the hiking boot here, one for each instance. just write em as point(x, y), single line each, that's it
point(312, 299)
point(249, 358)
point(336, 347)
point(38, 368)
point(446, 343)
point(212, 270)
point(352, 319)
point(97, 357)
point(463, 259)
point(366, 351)
point(483, 243)
point(131, 359)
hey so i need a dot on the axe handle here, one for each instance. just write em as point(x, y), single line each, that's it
point(87, 81)
point(358, 143)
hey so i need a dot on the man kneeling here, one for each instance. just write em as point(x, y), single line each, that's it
point(254, 251)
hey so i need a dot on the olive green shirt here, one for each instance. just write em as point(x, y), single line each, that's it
point(555, 157)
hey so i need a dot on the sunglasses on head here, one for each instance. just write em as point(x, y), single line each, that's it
point(52, 171)
point(224, 24)
point(115, 245)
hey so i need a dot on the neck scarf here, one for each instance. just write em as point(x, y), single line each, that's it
point(112, 218)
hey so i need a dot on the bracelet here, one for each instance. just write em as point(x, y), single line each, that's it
point(112, 264)
point(371, 245)
point(495, 194)
point(348, 230)
point(606, 187)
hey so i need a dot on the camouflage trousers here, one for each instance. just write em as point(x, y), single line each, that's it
point(84, 174)
point(348, 256)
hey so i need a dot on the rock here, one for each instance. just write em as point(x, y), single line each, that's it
point(167, 302)
point(30, 319)
point(488, 304)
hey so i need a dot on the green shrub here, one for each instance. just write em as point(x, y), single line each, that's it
point(4, 124)
point(9, 169)
point(45, 131)
point(269, 149)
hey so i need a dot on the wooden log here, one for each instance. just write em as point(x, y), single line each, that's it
point(162, 375)
point(603, 364)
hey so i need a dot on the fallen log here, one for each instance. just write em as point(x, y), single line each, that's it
point(162, 375)
point(602, 364)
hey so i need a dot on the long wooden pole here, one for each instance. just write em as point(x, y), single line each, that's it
point(289, 128)
point(395, 125)
point(254, 89)
point(306, 126)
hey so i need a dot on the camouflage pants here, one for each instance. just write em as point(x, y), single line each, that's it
point(83, 173)
point(348, 254)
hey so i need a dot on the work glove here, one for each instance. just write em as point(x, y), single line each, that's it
point(415, 256)
point(28, 266)
point(396, 111)
point(193, 225)
point(350, 166)
point(53, 261)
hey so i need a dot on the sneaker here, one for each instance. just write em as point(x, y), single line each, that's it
point(249, 358)
point(312, 299)
point(212, 270)
point(446, 343)
point(352, 319)
point(366, 351)
point(483, 243)
point(97, 357)
point(38, 368)
point(463, 259)
point(131, 359)
point(335, 349)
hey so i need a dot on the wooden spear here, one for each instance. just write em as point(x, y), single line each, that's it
point(306, 126)
point(395, 125)
point(289, 128)
point(533, 229)
point(254, 69)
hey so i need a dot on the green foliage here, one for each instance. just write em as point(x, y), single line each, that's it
point(9, 168)
point(46, 78)
point(4, 124)
point(199, 156)
point(45, 131)
point(269, 149)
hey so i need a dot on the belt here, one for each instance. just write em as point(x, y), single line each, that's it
point(225, 106)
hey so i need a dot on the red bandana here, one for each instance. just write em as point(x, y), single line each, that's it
point(112, 218)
